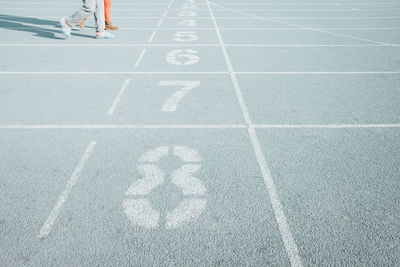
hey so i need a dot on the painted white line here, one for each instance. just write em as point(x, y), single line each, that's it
point(317, 72)
point(242, 9)
point(195, 126)
point(325, 126)
point(199, 45)
point(122, 126)
point(198, 72)
point(237, 29)
point(287, 238)
point(245, 18)
point(304, 27)
point(140, 57)
point(111, 72)
point(152, 36)
point(169, 6)
point(48, 224)
point(159, 23)
point(284, 229)
point(235, 82)
point(348, 7)
point(122, 3)
point(69, 3)
point(118, 97)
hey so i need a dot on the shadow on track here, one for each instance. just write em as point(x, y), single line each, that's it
point(18, 23)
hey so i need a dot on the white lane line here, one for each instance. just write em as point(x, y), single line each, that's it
point(236, 29)
point(200, 9)
point(69, 3)
point(196, 126)
point(235, 82)
point(348, 7)
point(303, 27)
point(284, 229)
point(201, 4)
point(198, 45)
point(244, 18)
point(198, 72)
point(140, 57)
point(159, 23)
point(287, 238)
point(168, 7)
point(48, 224)
point(152, 36)
point(122, 126)
point(118, 97)
point(317, 72)
point(325, 126)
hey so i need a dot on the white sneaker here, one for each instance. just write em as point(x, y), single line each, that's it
point(104, 35)
point(65, 28)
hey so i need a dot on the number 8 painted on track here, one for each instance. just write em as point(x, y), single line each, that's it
point(138, 208)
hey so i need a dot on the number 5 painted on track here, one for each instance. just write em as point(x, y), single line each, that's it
point(185, 36)
point(173, 101)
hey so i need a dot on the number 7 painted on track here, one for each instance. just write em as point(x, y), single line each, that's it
point(172, 102)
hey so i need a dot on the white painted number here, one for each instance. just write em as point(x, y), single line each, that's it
point(185, 36)
point(173, 101)
point(189, 6)
point(187, 14)
point(182, 57)
point(138, 208)
point(188, 23)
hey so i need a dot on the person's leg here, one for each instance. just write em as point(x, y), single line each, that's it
point(100, 21)
point(107, 14)
point(99, 16)
point(89, 7)
point(107, 10)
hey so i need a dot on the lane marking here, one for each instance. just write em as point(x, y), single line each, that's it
point(48, 225)
point(284, 229)
point(243, 18)
point(201, 4)
point(237, 28)
point(122, 126)
point(140, 57)
point(152, 36)
point(200, 45)
point(317, 72)
point(118, 97)
point(242, 9)
point(239, 95)
point(325, 126)
point(192, 126)
point(200, 72)
point(159, 23)
point(112, 72)
point(168, 7)
point(348, 7)
point(303, 27)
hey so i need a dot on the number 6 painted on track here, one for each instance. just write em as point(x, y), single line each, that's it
point(189, 57)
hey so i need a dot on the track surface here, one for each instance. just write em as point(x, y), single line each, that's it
point(207, 133)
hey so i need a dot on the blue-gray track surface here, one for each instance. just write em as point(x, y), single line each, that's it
point(280, 119)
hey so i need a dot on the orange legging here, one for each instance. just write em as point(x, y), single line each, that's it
point(107, 10)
